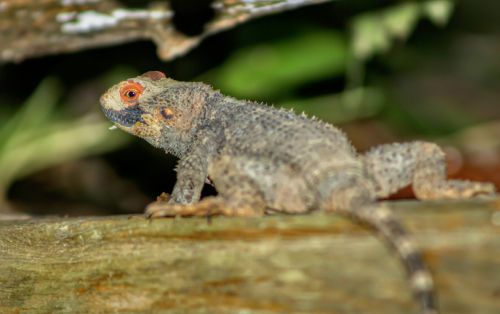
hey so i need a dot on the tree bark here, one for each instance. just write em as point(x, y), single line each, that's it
point(31, 28)
point(314, 263)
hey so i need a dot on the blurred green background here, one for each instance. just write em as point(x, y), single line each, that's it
point(383, 71)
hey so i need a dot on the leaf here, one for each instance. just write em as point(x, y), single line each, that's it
point(273, 68)
point(36, 137)
point(373, 33)
point(347, 106)
point(439, 11)
point(400, 21)
point(34, 112)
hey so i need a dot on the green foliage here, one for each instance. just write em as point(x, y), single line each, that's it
point(374, 32)
point(36, 136)
point(438, 11)
point(275, 68)
point(342, 107)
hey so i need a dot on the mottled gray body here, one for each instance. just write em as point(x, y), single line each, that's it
point(263, 159)
point(264, 149)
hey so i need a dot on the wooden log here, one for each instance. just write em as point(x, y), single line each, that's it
point(314, 263)
point(31, 28)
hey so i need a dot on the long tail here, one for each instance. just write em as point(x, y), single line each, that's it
point(381, 218)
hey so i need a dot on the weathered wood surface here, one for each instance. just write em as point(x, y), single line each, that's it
point(281, 264)
point(30, 28)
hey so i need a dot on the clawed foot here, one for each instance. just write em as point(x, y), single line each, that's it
point(207, 207)
point(458, 189)
point(479, 189)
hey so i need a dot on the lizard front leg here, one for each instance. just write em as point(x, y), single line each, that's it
point(238, 195)
point(191, 176)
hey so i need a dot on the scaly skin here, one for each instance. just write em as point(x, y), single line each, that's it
point(263, 159)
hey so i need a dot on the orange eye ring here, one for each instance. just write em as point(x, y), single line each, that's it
point(130, 92)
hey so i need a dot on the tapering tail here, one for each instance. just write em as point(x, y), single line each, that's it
point(381, 218)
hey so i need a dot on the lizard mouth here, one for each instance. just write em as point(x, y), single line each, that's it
point(126, 117)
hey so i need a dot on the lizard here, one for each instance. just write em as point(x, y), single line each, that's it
point(265, 160)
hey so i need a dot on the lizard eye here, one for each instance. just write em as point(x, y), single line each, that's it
point(130, 92)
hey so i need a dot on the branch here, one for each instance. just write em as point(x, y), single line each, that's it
point(31, 28)
point(278, 264)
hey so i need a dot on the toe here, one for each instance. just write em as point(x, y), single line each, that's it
point(485, 189)
point(158, 210)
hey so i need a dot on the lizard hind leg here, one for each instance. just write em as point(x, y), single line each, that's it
point(394, 166)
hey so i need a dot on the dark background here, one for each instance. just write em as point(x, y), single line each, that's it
point(440, 83)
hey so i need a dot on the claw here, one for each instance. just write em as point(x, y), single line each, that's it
point(163, 197)
point(160, 209)
point(483, 189)
point(207, 207)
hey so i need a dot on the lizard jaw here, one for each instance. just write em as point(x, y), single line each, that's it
point(127, 117)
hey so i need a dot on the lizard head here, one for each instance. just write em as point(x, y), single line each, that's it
point(153, 107)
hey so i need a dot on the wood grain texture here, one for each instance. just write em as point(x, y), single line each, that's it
point(31, 28)
point(281, 264)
